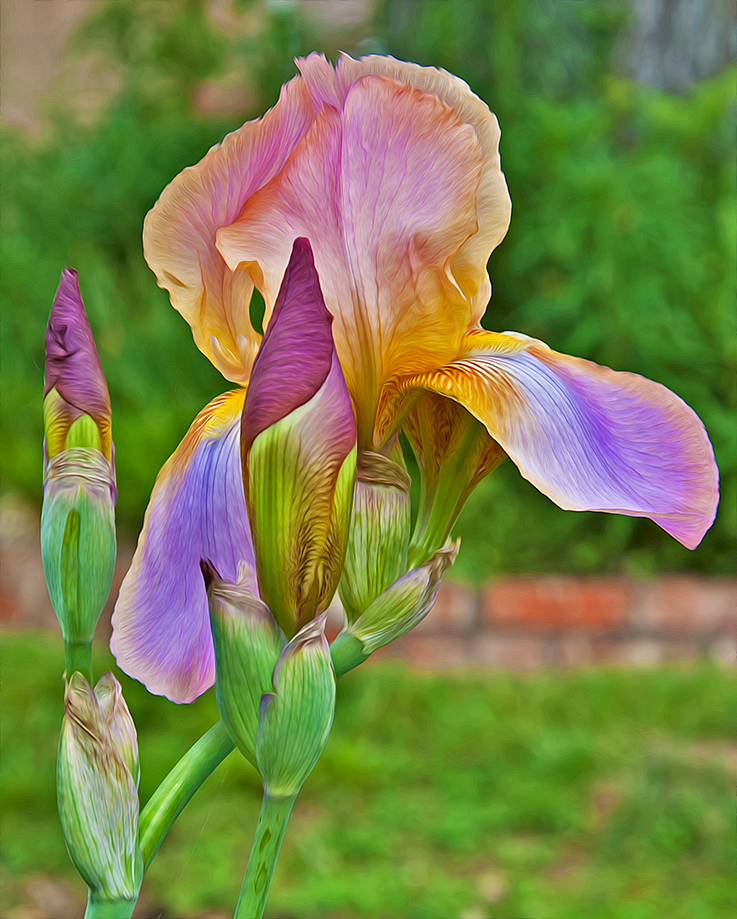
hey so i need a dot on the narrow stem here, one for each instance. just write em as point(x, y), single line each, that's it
point(346, 653)
point(97, 908)
point(78, 656)
point(170, 798)
point(177, 789)
point(272, 823)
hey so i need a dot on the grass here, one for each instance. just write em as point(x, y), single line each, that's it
point(592, 794)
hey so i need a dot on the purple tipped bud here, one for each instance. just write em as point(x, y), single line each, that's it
point(296, 354)
point(74, 384)
point(298, 440)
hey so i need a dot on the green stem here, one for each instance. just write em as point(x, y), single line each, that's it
point(177, 789)
point(78, 656)
point(97, 908)
point(346, 652)
point(272, 823)
point(170, 798)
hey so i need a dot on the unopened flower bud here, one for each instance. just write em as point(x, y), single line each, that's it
point(397, 610)
point(454, 452)
point(298, 443)
point(78, 519)
point(74, 384)
point(97, 774)
point(247, 643)
point(78, 545)
point(296, 717)
point(380, 528)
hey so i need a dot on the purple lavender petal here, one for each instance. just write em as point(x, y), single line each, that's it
point(161, 624)
point(297, 351)
point(72, 363)
point(586, 436)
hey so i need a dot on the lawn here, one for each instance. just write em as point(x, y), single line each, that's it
point(591, 794)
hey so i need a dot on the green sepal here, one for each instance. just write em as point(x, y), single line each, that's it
point(96, 789)
point(247, 643)
point(296, 718)
point(399, 608)
point(78, 546)
point(454, 452)
point(376, 554)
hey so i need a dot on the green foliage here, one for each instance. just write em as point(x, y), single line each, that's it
point(553, 795)
point(621, 248)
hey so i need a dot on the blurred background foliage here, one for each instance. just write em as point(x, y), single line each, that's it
point(621, 247)
point(589, 794)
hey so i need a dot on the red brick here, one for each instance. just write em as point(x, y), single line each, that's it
point(432, 652)
point(557, 603)
point(454, 611)
point(680, 603)
point(509, 653)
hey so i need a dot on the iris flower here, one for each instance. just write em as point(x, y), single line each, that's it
point(392, 173)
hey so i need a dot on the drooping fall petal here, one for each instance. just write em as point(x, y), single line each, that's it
point(586, 436)
point(161, 625)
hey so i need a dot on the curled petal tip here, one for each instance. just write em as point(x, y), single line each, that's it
point(297, 350)
point(74, 384)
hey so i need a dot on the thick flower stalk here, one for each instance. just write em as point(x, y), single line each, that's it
point(392, 172)
point(78, 518)
point(97, 787)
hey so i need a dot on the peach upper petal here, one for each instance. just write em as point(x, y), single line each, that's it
point(391, 171)
point(385, 190)
point(179, 232)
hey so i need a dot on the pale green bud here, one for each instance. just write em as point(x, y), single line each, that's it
point(97, 774)
point(296, 717)
point(247, 643)
point(399, 608)
point(379, 535)
point(78, 538)
point(454, 452)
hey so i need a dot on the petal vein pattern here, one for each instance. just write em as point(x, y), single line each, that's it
point(161, 626)
point(385, 190)
point(586, 436)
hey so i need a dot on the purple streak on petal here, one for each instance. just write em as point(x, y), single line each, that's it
point(297, 349)
point(72, 363)
point(161, 624)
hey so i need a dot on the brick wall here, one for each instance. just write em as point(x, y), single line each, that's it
point(516, 622)
point(526, 622)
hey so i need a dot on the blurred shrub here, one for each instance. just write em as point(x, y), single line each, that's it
point(621, 247)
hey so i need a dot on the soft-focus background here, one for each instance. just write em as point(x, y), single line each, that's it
point(465, 794)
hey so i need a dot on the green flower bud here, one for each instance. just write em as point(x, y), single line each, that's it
point(296, 717)
point(78, 539)
point(454, 452)
point(399, 608)
point(247, 643)
point(97, 773)
point(380, 528)
point(298, 450)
